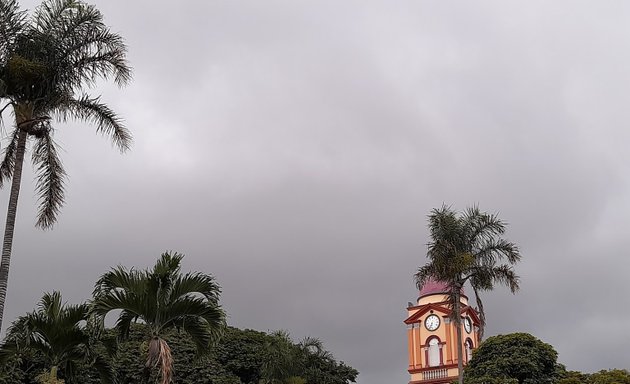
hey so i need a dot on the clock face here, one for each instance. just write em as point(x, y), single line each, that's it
point(432, 322)
point(467, 325)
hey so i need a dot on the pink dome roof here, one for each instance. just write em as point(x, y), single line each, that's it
point(432, 287)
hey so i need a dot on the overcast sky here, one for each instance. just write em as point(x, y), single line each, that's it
point(293, 149)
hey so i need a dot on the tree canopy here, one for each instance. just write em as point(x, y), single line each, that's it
point(516, 356)
point(613, 376)
point(238, 358)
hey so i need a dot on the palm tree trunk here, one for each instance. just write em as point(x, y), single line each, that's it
point(53, 374)
point(7, 245)
point(159, 355)
point(481, 313)
point(458, 324)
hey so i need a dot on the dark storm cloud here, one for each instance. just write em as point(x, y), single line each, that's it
point(294, 149)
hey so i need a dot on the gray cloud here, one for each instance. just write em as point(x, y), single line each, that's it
point(294, 149)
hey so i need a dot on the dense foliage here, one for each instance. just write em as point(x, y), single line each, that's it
point(518, 356)
point(614, 376)
point(61, 335)
point(170, 329)
point(239, 358)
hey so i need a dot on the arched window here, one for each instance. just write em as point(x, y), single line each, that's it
point(469, 347)
point(434, 352)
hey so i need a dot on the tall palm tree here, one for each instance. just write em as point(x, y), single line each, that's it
point(47, 61)
point(60, 333)
point(162, 298)
point(467, 248)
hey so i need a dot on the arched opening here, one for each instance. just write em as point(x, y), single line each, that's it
point(468, 344)
point(434, 352)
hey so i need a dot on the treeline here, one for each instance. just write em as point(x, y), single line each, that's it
point(170, 328)
point(241, 357)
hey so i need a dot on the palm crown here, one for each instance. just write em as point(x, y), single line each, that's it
point(46, 61)
point(60, 333)
point(163, 298)
point(469, 248)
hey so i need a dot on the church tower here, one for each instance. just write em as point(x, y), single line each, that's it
point(432, 336)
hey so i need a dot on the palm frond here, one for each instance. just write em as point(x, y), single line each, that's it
point(127, 290)
point(425, 273)
point(106, 55)
point(51, 15)
point(50, 180)
point(119, 299)
point(192, 306)
point(12, 21)
point(492, 250)
point(50, 304)
point(92, 110)
point(8, 161)
point(203, 334)
point(123, 323)
point(106, 372)
point(504, 274)
point(191, 284)
point(314, 346)
point(481, 225)
point(119, 278)
point(169, 263)
point(74, 314)
point(84, 41)
point(17, 340)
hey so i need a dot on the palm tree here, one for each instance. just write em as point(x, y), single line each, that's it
point(467, 248)
point(162, 298)
point(60, 333)
point(47, 60)
point(280, 362)
point(286, 362)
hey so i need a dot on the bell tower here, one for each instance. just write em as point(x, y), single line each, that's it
point(432, 335)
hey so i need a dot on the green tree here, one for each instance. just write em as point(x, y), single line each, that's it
point(572, 377)
point(60, 335)
point(516, 356)
point(613, 376)
point(130, 359)
point(306, 361)
point(467, 248)
point(47, 61)
point(281, 359)
point(242, 353)
point(163, 298)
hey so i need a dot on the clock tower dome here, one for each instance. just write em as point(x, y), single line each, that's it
point(432, 335)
